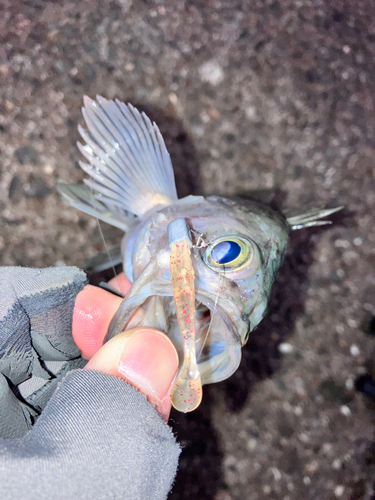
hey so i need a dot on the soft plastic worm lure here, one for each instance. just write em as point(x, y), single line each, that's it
point(187, 390)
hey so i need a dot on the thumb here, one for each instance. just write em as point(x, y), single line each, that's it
point(143, 357)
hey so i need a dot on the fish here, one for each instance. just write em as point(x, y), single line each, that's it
point(201, 268)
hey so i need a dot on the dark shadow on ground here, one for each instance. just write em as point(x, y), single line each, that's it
point(200, 468)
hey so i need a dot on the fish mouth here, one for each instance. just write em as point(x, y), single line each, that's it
point(220, 354)
point(150, 303)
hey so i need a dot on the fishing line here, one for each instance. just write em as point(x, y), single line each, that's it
point(106, 249)
point(220, 288)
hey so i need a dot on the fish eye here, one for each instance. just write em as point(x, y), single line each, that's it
point(225, 252)
point(230, 253)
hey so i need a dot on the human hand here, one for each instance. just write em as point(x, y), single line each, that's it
point(94, 433)
point(143, 357)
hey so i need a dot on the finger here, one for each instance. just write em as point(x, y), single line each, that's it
point(120, 283)
point(145, 358)
point(93, 310)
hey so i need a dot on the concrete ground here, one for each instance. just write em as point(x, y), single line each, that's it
point(274, 96)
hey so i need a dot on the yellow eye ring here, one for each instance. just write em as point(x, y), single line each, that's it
point(228, 253)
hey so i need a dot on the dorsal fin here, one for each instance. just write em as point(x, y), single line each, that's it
point(128, 162)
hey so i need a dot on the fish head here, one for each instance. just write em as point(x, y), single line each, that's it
point(237, 250)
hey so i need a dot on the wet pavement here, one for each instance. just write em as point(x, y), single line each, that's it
point(275, 97)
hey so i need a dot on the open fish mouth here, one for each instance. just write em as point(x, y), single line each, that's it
point(221, 345)
point(218, 345)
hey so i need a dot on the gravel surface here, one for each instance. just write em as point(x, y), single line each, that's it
point(268, 96)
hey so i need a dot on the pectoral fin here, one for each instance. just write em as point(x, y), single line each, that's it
point(84, 198)
point(308, 217)
point(110, 257)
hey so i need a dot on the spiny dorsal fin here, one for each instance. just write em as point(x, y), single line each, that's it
point(308, 217)
point(128, 162)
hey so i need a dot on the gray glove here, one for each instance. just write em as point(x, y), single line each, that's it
point(97, 437)
point(36, 308)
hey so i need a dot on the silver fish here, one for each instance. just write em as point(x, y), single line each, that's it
point(235, 248)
